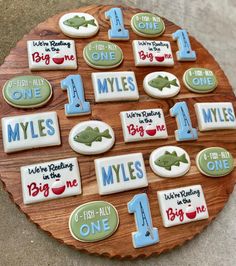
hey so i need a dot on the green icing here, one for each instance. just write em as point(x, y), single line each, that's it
point(27, 91)
point(162, 82)
point(200, 80)
point(93, 221)
point(167, 160)
point(77, 22)
point(215, 162)
point(103, 54)
point(89, 135)
point(148, 24)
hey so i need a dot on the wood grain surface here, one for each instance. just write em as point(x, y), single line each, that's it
point(52, 216)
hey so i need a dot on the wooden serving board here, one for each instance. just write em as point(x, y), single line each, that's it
point(52, 216)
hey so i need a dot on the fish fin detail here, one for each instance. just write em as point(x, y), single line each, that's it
point(183, 159)
point(96, 129)
point(167, 152)
point(166, 78)
point(106, 134)
point(89, 128)
point(174, 153)
point(177, 163)
point(168, 168)
point(168, 86)
point(174, 83)
point(88, 144)
point(99, 138)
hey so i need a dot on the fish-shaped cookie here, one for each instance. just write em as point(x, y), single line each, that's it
point(162, 82)
point(77, 22)
point(89, 135)
point(167, 160)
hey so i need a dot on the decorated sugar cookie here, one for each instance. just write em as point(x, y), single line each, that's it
point(161, 84)
point(91, 137)
point(50, 180)
point(200, 80)
point(138, 125)
point(115, 86)
point(78, 25)
point(215, 115)
point(27, 91)
point(182, 205)
point(25, 132)
point(152, 53)
point(170, 161)
point(120, 173)
point(215, 162)
point(147, 25)
point(75, 90)
point(185, 52)
point(185, 130)
point(93, 221)
point(146, 234)
point(102, 54)
point(51, 54)
point(117, 31)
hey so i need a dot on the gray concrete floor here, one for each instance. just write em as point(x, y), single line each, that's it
point(213, 24)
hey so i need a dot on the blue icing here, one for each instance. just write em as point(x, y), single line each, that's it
point(146, 234)
point(148, 25)
point(185, 130)
point(218, 165)
point(185, 51)
point(77, 104)
point(13, 134)
point(117, 30)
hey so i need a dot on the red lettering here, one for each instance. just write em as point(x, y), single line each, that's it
point(69, 57)
point(201, 209)
point(160, 128)
point(133, 130)
point(38, 58)
point(34, 190)
point(73, 183)
point(171, 214)
point(143, 56)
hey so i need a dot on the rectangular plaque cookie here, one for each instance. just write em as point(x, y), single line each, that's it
point(51, 54)
point(182, 205)
point(50, 180)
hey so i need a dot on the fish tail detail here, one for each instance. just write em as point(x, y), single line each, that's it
point(174, 83)
point(92, 22)
point(106, 134)
point(183, 159)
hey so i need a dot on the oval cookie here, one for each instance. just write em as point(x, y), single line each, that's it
point(170, 161)
point(27, 91)
point(161, 84)
point(91, 137)
point(93, 221)
point(215, 162)
point(78, 25)
point(147, 25)
point(200, 80)
point(102, 54)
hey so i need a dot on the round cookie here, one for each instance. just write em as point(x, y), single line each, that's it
point(91, 137)
point(215, 162)
point(78, 25)
point(161, 84)
point(102, 54)
point(147, 25)
point(200, 80)
point(27, 91)
point(170, 161)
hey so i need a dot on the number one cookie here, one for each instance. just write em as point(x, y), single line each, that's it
point(117, 31)
point(185, 130)
point(185, 52)
point(77, 105)
point(147, 234)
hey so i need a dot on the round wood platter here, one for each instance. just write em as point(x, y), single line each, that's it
point(52, 216)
